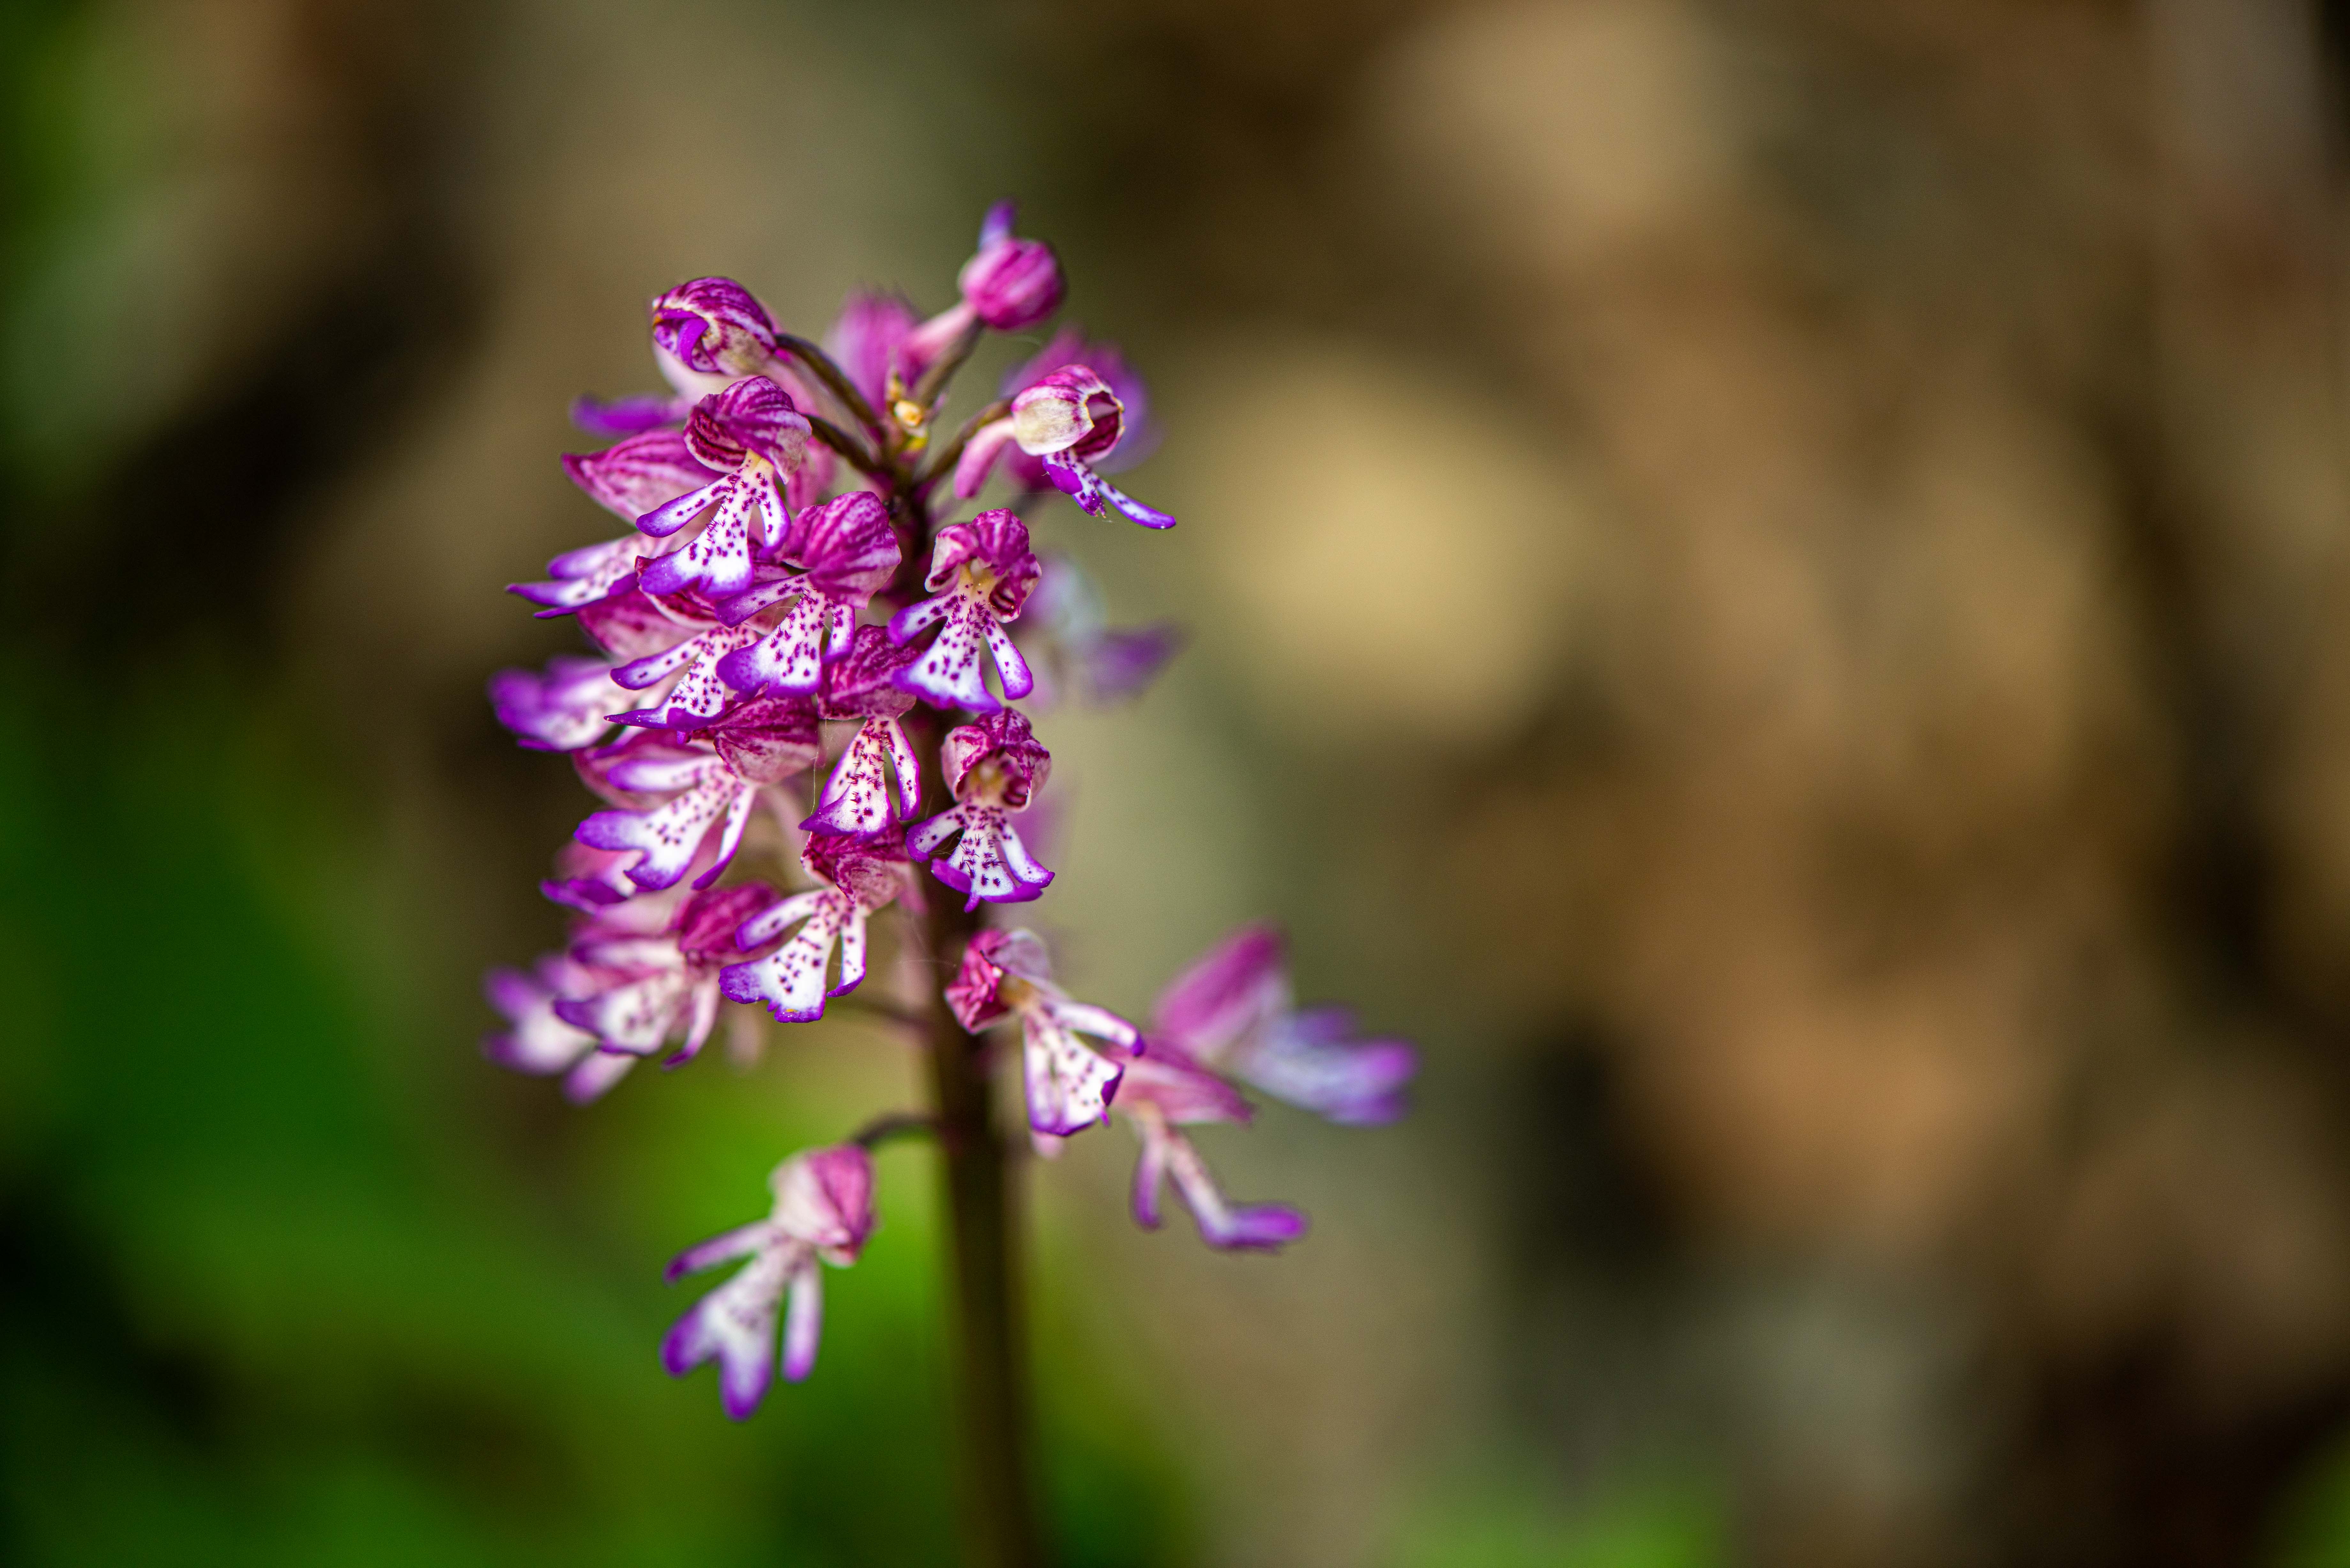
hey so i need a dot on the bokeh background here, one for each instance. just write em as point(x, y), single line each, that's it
point(1767, 579)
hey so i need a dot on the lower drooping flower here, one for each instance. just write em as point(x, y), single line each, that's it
point(1069, 1085)
point(823, 1211)
point(1165, 1090)
point(859, 876)
point(995, 767)
point(1233, 1011)
point(980, 572)
point(675, 794)
point(657, 988)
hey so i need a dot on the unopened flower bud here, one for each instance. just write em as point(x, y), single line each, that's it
point(1011, 284)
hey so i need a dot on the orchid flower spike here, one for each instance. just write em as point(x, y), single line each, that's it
point(980, 572)
point(1069, 1085)
point(1067, 419)
point(859, 877)
point(824, 1211)
point(1233, 1011)
point(995, 767)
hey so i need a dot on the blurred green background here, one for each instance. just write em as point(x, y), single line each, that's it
point(1767, 580)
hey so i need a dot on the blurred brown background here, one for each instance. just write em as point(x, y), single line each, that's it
point(1767, 579)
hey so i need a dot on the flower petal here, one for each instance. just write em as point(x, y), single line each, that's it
point(803, 1324)
point(856, 798)
point(735, 1323)
point(642, 473)
point(669, 834)
point(787, 661)
point(1069, 1087)
point(1261, 1227)
point(790, 982)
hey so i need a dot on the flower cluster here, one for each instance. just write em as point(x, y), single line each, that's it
point(799, 660)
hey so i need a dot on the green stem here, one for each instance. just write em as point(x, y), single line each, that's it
point(819, 364)
point(994, 1471)
point(999, 1505)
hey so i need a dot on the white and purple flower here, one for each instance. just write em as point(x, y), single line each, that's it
point(1068, 420)
point(864, 687)
point(1070, 1086)
point(649, 989)
point(1233, 1011)
point(980, 572)
point(995, 767)
point(672, 794)
point(707, 334)
point(847, 552)
point(566, 708)
point(752, 435)
point(823, 1211)
point(1165, 1090)
point(858, 875)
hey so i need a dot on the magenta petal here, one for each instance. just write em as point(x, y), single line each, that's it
point(626, 415)
point(803, 1324)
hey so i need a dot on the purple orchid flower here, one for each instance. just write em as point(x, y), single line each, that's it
point(1232, 1011)
point(676, 794)
point(848, 552)
point(871, 340)
point(1137, 435)
point(980, 572)
point(752, 434)
point(653, 989)
point(864, 687)
point(995, 767)
point(823, 1209)
point(706, 333)
point(563, 708)
point(1070, 1086)
point(859, 876)
point(1067, 419)
point(539, 1043)
point(1072, 650)
point(1009, 284)
point(1165, 1090)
